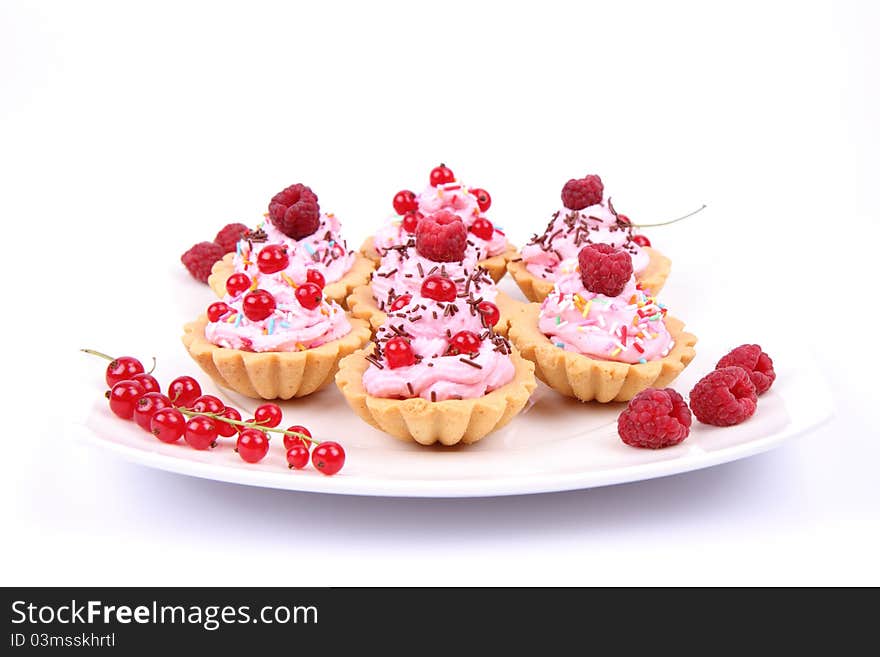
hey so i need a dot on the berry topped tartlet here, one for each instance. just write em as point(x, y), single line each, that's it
point(439, 246)
point(437, 371)
point(273, 335)
point(312, 240)
point(600, 335)
point(585, 218)
point(445, 194)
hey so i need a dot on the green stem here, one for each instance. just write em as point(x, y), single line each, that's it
point(249, 425)
point(98, 354)
point(671, 221)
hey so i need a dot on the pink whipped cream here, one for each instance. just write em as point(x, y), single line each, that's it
point(628, 328)
point(324, 250)
point(403, 270)
point(289, 328)
point(455, 198)
point(429, 324)
point(569, 231)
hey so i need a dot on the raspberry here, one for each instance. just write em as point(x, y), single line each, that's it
point(441, 237)
point(754, 361)
point(655, 419)
point(229, 235)
point(605, 269)
point(200, 258)
point(295, 212)
point(724, 397)
point(582, 193)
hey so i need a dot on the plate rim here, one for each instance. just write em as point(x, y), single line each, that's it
point(520, 484)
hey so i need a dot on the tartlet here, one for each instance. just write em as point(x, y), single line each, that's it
point(274, 374)
point(585, 218)
point(600, 335)
point(438, 369)
point(448, 422)
point(591, 379)
point(313, 241)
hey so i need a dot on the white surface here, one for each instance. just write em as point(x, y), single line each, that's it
point(129, 134)
point(555, 444)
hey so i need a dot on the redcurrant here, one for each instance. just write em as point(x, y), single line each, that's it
point(148, 404)
point(316, 277)
point(411, 221)
point(404, 202)
point(268, 415)
point(490, 313)
point(216, 310)
point(482, 228)
point(224, 428)
point(641, 240)
point(167, 424)
point(298, 456)
point(148, 381)
point(309, 296)
point(401, 301)
point(439, 288)
point(122, 369)
point(399, 352)
point(272, 259)
point(483, 198)
point(184, 391)
point(258, 305)
point(208, 404)
point(441, 175)
point(123, 397)
point(237, 283)
point(328, 457)
point(252, 445)
point(290, 441)
point(200, 432)
point(463, 342)
point(623, 218)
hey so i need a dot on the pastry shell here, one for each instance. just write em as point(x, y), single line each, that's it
point(272, 374)
point(338, 291)
point(590, 379)
point(448, 422)
point(495, 266)
point(536, 288)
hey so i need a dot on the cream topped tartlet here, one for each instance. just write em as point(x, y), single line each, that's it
point(436, 371)
point(600, 335)
point(274, 334)
point(313, 241)
point(585, 218)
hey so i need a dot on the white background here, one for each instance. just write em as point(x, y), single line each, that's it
point(128, 132)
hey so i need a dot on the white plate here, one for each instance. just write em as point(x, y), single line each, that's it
point(556, 444)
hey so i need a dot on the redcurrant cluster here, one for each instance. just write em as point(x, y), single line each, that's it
point(184, 412)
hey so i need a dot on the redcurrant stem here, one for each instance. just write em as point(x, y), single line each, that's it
point(671, 221)
point(250, 425)
point(98, 354)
